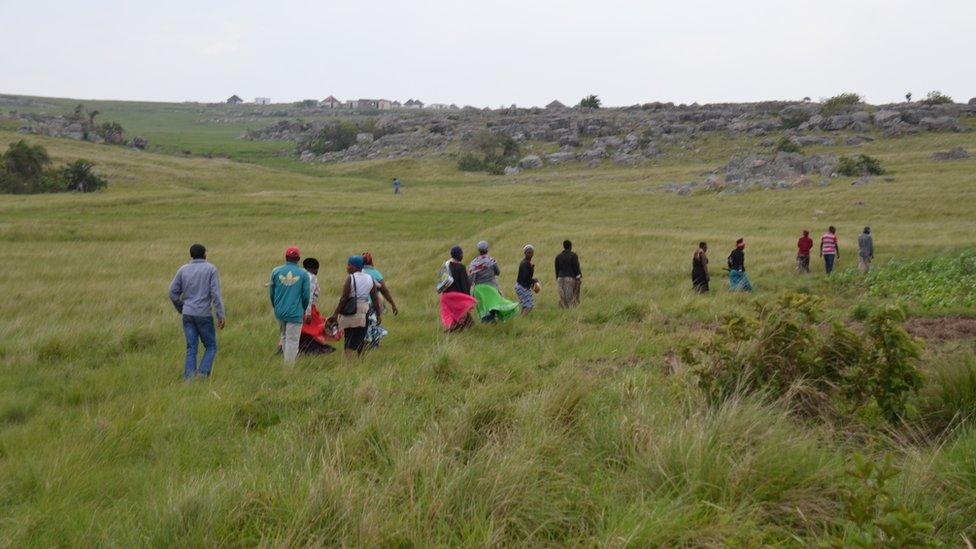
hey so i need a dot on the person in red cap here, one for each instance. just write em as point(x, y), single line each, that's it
point(803, 247)
point(290, 294)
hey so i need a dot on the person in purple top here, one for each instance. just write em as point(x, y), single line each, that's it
point(195, 292)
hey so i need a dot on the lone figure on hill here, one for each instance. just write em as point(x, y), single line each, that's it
point(195, 292)
point(803, 247)
point(568, 276)
point(829, 249)
point(396, 186)
point(290, 294)
point(865, 245)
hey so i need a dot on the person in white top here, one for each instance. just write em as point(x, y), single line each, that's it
point(361, 286)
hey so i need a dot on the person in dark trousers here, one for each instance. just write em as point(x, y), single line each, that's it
point(568, 276)
point(803, 247)
point(361, 288)
point(526, 283)
point(865, 245)
point(738, 279)
point(699, 269)
point(829, 249)
point(195, 292)
point(396, 186)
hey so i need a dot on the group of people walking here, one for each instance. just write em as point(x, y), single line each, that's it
point(474, 289)
point(293, 292)
point(739, 280)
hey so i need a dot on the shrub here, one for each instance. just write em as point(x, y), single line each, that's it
point(306, 103)
point(489, 152)
point(334, 137)
point(940, 282)
point(839, 103)
point(793, 118)
point(950, 396)
point(590, 102)
point(470, 163)
point(936, 98)
point(783, 346)
point(25, 161)
point(874, 520)
point(78, 176)
point(786, 145)
point(859, 165)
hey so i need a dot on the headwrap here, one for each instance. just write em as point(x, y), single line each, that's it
point(356, 261)
point(528, 248)
point(867, 230)
point(457, 253)
point(483, 246)
point(367, 258)
point(293, 253)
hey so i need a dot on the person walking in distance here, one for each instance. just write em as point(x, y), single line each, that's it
point(526, 283)
point(195, 292)
point(569, 277)
point(829, 249)
point(699, 269)
point(290, 294)
point(865, 245)
point(396, 186)
point(803, 247)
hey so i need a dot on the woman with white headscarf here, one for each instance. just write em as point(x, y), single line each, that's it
point(526, 283)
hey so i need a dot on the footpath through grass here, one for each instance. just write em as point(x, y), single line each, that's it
point(567, 427)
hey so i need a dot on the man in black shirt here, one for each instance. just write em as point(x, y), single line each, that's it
point(568, 276)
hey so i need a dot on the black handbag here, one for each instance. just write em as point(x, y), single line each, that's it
point(351, 306)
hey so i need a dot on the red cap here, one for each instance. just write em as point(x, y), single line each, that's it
point(293, 252)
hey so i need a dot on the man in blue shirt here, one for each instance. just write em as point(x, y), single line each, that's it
point(396, 186)
point(195, 292)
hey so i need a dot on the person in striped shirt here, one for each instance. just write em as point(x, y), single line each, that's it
point(829, 249)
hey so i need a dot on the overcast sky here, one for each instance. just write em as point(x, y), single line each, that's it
point(488, 52)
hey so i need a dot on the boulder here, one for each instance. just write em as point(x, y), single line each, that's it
point(957, 153)
point(940, 124)
point(560, 157)
point(885, 117)
point(531, 161)
point(139, 142)
point(364, 138)
point(512, 170)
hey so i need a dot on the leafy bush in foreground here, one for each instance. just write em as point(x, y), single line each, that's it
point(784, 346)
point(939, 282)
point(859, 165)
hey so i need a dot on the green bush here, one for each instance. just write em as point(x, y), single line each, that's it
point(839, 103)
point(331, 138)
point(784, 346)
point(78, 176)
point(859, 165)
point(793, 118)
point(936, 98)
point(950, 396)
point(786, 145)
point(490, 152)
point(471, 163)
point(25, 161)
point(941, 282)
point(874, 519)
point(590, 102)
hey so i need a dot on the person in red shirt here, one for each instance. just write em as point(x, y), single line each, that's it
point(803, 247)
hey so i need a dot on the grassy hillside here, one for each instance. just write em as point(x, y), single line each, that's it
point(567, 427)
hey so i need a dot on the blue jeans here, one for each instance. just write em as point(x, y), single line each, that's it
point(829, 262)
point(196, 329)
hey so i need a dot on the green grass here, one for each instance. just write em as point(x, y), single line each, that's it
point(563, 428)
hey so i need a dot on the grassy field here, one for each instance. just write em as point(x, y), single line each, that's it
point(563, 428)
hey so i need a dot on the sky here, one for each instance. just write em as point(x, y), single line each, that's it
point(488, 52)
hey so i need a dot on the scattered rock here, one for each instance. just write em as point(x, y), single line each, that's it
point(860, 181)
point(139, 142)
point(957, 153)
point(512, 170)
point(530, 162)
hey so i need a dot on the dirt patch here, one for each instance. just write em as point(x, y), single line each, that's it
point(942, 328)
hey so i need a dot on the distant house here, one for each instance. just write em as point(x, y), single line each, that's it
point(262, 100)
point(331, 102)
point(234, 100)
point(438, 106)
point(366, 104)
point(384, 104)
point(396, 105)
point(413, 104)
point(555, 105)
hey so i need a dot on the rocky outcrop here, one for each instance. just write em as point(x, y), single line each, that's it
point(957, 153)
